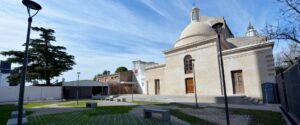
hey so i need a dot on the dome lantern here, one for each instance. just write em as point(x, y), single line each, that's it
point(195, 14)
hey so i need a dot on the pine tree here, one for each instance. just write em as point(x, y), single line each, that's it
point(45, 60)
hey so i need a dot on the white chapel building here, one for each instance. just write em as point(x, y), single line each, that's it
point(248, 62)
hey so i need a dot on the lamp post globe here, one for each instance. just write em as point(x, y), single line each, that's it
point(218, 27)
point(32, 5)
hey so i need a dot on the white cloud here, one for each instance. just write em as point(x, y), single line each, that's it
point(106, 34)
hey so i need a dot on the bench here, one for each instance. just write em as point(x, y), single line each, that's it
point(91, 104)
point(165, 113)
point(111, 99)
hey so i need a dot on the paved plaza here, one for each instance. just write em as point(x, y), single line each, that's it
point(210, 112)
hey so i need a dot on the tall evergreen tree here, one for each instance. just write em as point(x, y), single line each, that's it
point(45, 60)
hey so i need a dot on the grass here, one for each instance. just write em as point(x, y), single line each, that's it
point(38, 104)
point(166, 104)
point(262, 117)
point(106, 115)
point(189, 118)
point(74, 103)
point(148, 103)
point(108, 110)
point(179, 105)
point(5, 113)
point(186, 106)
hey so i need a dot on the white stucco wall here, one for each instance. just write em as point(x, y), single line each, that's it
point(32, 93)
point(151, 75)
point(206, 70)
point(139, 74)
point(257, 67)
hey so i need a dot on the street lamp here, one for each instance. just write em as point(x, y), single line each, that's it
point(77, 94)
point(30, 5)
point(218, 28)
point(193, 66)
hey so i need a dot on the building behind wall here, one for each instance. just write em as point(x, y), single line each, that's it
point(139, 73)
point(120, 83)
point(87, 89)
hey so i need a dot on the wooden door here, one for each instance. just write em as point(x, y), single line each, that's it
point(157, 87)
point(189, 85)
point(237, 82)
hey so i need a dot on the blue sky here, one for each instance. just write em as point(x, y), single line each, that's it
point(105, 34)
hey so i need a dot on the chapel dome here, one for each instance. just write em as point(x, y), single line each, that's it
point(197, 30)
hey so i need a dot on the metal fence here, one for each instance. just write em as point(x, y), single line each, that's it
point(289, 90)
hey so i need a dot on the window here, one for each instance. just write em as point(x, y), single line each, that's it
point(188, 64)
point(194, 16)
point(157, 87)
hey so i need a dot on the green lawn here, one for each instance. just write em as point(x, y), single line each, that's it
point(185, 106)
point(148, 103)
point(5, 113)
point(39, 104)
point(74, 103)
point(166, 104)
point(6, 110)
point(262, 117)
point(189, 118)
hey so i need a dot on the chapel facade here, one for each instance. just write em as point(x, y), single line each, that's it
point(248, 62)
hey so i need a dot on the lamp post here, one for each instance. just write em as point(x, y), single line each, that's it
point(195, 85)
point(30, 5)
point(122, 82)
point(77, 93)
point(218, 28)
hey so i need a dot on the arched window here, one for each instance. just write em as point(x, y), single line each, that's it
point(188, 66)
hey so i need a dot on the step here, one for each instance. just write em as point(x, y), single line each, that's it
point(14, 114)
point(14, 121)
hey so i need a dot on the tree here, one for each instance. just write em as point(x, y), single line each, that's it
point(287, 57)
point(288, 26)
point(45, 60)
point(121, 69)
point(287, 30)
point(106, 72)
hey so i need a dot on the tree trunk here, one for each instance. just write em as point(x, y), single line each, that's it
point(48, 82)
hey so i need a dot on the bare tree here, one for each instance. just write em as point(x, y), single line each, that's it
point(287, 57)
point(288, 26)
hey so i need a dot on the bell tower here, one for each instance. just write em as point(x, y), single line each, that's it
point(251, 31)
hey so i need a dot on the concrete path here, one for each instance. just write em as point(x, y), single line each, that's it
point(203, 101)
point(267, 107)
point(216, 115)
